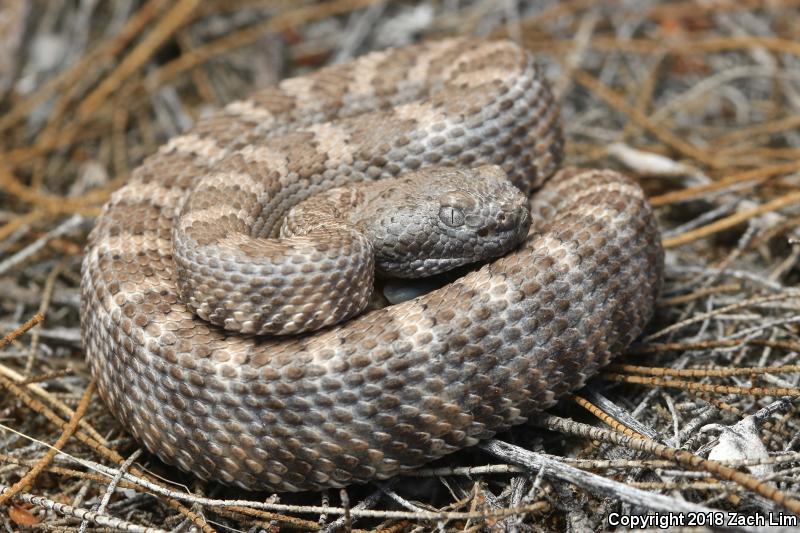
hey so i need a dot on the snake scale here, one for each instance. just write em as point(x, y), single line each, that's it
point(395, 387)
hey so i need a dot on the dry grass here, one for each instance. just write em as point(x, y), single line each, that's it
point(699, 100)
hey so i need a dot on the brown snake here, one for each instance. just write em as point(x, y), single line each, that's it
point(393, 388)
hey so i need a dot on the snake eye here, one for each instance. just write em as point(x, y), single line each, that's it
point(451, 216)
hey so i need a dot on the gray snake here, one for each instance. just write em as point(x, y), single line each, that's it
point(392, 388)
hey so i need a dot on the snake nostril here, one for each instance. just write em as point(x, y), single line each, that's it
point(506, 220)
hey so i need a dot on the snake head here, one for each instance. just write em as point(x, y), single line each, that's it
point(438, 219)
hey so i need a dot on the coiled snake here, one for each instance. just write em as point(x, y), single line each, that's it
point(392, 388)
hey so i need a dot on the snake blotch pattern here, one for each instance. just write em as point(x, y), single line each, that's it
point(176, 360)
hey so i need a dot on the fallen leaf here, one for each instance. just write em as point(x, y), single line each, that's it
point(20, 516)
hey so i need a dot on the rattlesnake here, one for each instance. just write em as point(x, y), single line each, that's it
point(395, 387)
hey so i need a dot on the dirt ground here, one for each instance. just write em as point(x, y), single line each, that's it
point(695, 426)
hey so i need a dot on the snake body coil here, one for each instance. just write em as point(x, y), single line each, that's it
point(393, 388)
